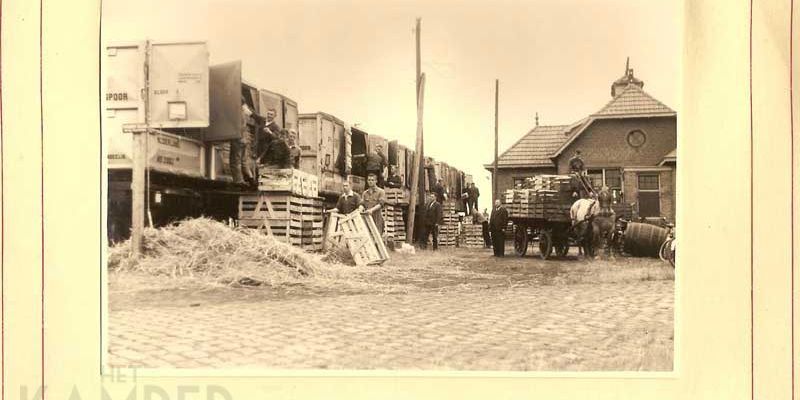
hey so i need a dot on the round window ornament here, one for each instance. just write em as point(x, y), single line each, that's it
point(636, 138)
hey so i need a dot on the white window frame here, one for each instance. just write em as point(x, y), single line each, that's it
point(621, 187)
point(648, 173)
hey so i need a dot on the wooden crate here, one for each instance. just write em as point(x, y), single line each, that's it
point(397, 196)
point(331, 183)
point(471, 236)
point(287, 217)
point(289, 180)
point(393, 225)
point(360, 235)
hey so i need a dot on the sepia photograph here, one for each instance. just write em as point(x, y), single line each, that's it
point(399, 185)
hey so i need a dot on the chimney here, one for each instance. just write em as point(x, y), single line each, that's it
point(627, 79)
point(537, 119)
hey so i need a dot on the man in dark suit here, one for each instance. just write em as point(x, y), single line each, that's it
point(438, 189)
point(497, 226)
point(472, 199)
point(432, 218)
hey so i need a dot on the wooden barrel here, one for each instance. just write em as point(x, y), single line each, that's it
point(644, 240)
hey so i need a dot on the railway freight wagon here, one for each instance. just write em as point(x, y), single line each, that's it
point(325, 152)
point(171, 79)
point(359, 145)
point(191, 112)
point(225, 82)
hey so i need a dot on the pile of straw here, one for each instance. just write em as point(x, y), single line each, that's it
point(210, 250)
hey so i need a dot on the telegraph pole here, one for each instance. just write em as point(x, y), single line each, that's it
point(494, 173)
point(139, 167)
point(417, 178)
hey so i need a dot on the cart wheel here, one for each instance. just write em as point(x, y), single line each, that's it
point(521, 240)
point(545, 244)
point(562, 249)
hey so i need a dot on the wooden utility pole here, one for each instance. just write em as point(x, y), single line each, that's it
point(494, 173)
point(137, 191)
point(139, 167)
point(420, 136)
point(418, 178)
point(415, 178)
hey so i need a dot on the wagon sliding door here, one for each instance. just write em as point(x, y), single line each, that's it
point(225, 94)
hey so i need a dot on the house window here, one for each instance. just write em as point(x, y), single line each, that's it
point(649, 195)
point(611, 177)
point(596, 178)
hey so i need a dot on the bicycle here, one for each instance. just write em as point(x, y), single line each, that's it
point(667, 251)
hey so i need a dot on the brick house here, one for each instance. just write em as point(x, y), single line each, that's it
point(628, 145)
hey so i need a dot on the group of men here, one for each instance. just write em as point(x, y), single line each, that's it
point(375, 164)
point(470, 196)
point(262, 143)
point(493, 226)
point(370, 201)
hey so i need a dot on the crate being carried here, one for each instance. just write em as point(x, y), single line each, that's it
point(360, 234)
point(290, 218)
point(289, 180)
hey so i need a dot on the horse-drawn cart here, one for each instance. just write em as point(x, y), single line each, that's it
point(540, 213)
point(552, 235)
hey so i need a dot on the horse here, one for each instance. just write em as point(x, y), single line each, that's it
point(592, 228)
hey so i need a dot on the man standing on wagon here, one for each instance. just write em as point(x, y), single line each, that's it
point(376, 162)
point(394, 181)
point(472, 200)
point(576, 163)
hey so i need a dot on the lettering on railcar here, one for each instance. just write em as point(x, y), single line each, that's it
point(117, 96)
point(169, 141)
point(165, 160)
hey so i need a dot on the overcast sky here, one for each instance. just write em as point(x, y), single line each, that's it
point(355, 59)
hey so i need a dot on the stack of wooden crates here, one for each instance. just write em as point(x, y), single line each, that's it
point(286, 207)
point(448, 231)
point(471, 236)
point(544, 197)
point(394, 228)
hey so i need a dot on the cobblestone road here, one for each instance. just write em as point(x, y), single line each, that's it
point(608, 326)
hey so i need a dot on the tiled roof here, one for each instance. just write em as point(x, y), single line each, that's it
point(672, 156)
point(539, 146)
point(633, 101)
point(534, 148)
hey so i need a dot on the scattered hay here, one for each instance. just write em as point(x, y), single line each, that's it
point(339, 255)
point(210, 250)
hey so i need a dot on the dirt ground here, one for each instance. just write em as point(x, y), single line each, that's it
point(559, 314)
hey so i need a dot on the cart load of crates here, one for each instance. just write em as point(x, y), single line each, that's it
point(543, 197)
point(539, 211)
